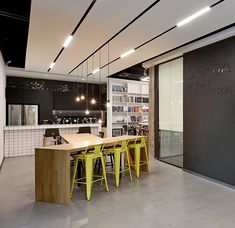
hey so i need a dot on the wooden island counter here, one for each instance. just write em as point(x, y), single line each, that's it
point(52, 165)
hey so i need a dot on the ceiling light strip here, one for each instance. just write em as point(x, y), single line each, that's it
point(52, 65)
point(217, 3)
point(193, 16)
point(67, 41)
point(58, 54)
point(95, 71)
point(127, 53)
point(192, 41)
point(148, 41)
point(110, 62)
point(84, 16)
point(120, 31)
point(75, 29)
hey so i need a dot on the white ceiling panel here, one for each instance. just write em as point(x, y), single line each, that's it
point(154, 23)
point(202, 26)
point(106, 18)
point(51, 21)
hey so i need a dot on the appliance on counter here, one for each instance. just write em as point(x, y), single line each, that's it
point(117, 132)
point(78, 116)
point(19, 114)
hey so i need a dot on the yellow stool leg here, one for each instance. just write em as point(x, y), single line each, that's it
point(147, 158)
point(137, 161)
point(105, 159)
point(89, 176)
point(104, 173)
point(74, 176)
point(128, 162)
point(117, 167)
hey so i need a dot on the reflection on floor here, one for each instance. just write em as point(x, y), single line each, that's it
point(166, 198)
point(176, 160)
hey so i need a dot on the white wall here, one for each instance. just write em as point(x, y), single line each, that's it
point(171, 95)
point(2, 106)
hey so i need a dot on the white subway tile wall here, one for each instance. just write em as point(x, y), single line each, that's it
point(22, 140)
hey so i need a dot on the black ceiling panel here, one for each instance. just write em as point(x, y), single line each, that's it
point(14, 23)
point(135, 72)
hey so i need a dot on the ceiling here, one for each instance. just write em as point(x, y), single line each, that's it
point(51, 21)
point(14, 24)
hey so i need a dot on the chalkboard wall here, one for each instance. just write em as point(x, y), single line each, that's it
point(52, 95)
point(209, 111)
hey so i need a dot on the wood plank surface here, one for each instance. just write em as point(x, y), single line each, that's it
point(52, 176)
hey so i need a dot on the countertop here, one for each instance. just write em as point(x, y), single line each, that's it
point(45, 126)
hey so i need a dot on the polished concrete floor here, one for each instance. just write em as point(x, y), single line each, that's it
point(168, 197)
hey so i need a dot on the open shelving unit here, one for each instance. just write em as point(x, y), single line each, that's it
point(129, 103)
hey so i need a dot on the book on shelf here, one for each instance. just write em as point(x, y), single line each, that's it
point(119, 88)
point(120, 99)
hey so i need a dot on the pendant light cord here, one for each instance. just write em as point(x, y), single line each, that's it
point(93, 78)
point(82, 77)
point(77, 80)
point(100, 80)
point(108, 75)
point(87, 86)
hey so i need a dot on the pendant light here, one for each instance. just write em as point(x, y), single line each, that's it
point(77, 99)
point(93, 101)
point(100, 120)
point(87, 112)
point(82, 96)
point(108, 101)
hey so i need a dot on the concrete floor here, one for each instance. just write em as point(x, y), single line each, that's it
point(168, 197)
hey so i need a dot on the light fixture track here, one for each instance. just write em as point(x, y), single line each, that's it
point(141, 45)
point(70, 37)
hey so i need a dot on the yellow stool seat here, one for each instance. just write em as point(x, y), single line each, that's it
point(88, 156)
point(117, 150)
point(137, 146)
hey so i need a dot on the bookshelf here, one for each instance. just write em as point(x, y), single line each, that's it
point(129, 103)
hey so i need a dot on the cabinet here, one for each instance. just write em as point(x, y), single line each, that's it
point(129, 103)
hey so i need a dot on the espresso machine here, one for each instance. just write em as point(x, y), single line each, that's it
point(76, 116)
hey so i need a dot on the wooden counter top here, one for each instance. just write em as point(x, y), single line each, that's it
point(79, 142)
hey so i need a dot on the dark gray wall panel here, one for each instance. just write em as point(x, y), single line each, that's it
point(209, 111)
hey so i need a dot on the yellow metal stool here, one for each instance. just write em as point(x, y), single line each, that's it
point(137, 146)
point(117, 150)
point(88, 156)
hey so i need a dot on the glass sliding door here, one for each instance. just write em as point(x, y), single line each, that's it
point(171, 112)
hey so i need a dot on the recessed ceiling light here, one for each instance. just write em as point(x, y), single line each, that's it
point(193, 16)
point(67, 41)
point(127, 53)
